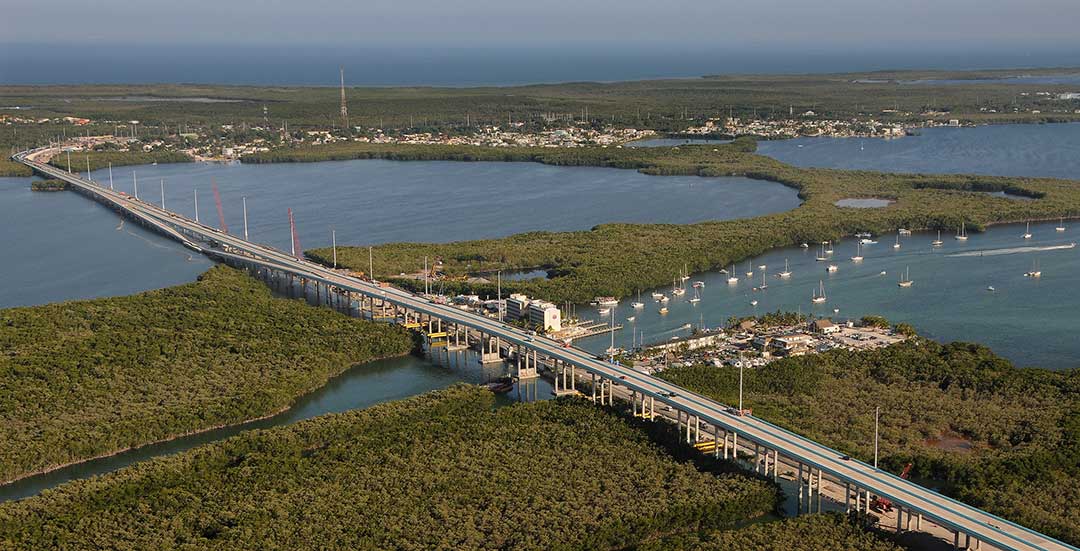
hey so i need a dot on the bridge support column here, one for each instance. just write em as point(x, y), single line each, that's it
point(799, 481)
point(918, 522)
point(847, 498)
point(956, 540)
point(775, 465)
point(818, 486)
point(652, 408)
point(716, 441)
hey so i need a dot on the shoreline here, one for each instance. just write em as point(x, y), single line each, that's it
point(171, 438)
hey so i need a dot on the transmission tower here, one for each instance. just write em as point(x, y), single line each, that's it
point(344, 106)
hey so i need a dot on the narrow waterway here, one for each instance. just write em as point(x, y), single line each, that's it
point(360, 387)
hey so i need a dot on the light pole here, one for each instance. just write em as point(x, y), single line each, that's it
point(196, 205)
point(163, 194)
point(370, 266)
point(244, 201)
point(110, 177)
point(740, 387)
point(498, 279)
point(877, 414)
point(333, 241)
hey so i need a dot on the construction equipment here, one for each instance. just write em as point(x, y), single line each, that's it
point(884, 504)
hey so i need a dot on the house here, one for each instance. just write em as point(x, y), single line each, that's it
point(824, 326)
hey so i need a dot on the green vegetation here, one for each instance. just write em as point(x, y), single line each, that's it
point(824, 532)
point(620, 259)
point(102, 159)
point(82, 379)
point(998, 437)
point(445, 470)
point(48, 185)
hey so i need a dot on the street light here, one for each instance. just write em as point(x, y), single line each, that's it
point(877, 413)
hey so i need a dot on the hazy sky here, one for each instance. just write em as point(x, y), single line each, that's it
point(921, 24)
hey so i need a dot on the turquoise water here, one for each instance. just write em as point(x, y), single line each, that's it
point(1029, 321)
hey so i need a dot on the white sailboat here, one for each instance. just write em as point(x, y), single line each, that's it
point(962, 236)
point(676, 291)
point(858, 253)
point(1027, 232)
point(749, 268)
point(1061, 226)
point(821, 255)
point(1035, 272)
point(828, 249)
point(905, 280)
point(897, 244)
point(733, 279)
point(696, 298)
point(685, 273)
point(764, 284)
point(638, 305)
point(786, 273)
point(937, 242)
point(819, 294)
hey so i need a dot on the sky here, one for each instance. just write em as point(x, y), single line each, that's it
point(472, 23)
point(460, 42)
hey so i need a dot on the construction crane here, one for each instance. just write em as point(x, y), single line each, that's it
point(884, 504)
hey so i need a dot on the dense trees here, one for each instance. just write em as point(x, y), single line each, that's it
point(998, 437)
point(824, 532)
point(440, 471)
point(102, 159)
point(619, 259)
point(80, 379)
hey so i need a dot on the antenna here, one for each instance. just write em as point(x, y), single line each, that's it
point(344, 106)
point(220, 211)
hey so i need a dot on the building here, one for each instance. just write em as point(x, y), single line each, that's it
point(824, 326)
point(790, 345)
point(546, 315)
point(517, 306)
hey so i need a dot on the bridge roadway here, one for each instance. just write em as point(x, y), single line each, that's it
point(913, 498)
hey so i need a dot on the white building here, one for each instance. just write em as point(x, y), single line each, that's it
point(517, 306)
point(546, 315)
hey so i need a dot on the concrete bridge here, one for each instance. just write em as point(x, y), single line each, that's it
point(710, 425)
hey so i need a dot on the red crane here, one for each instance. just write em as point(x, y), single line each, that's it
point(884, 504)
point(220, 211)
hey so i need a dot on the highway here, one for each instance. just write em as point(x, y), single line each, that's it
point(949, 513)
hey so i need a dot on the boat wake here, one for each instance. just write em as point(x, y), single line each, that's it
point(1014, 250)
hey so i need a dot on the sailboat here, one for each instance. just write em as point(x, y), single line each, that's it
point(764, 284)
point(637, 305)
point(821, 256)
point(734, 278)
point(657, 295)
point(829, 249)
point(937, 242)
point(962, 236)
point(685, 273)
point(749, 268)
point(786, 273)
point(858, 253)
point(897, 244)
point(1061, 226)
point(1027, 232)
point(676, 291)
point(905, 280)
point(696, 298)
point(1035, 271)
point(819, 294)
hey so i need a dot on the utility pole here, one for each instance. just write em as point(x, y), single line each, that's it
point(196, 205)
point(425, 276)
point(333, 240)
point(69, 161)
point(244, 201)
point(499, 287)
point(110, 176)
point(877, 414)
point(88, 168)
point(163, 194)
point(370, 266)
point(135, 178)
